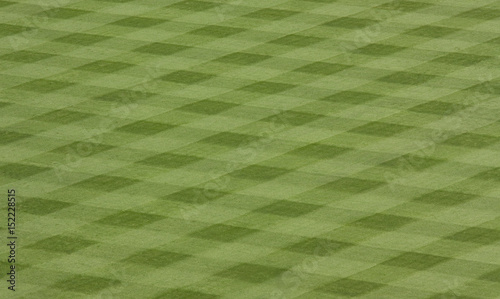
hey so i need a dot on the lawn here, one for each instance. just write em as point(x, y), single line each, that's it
point(251, 149)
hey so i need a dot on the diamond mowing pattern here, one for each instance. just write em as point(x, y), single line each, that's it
point(335, 178)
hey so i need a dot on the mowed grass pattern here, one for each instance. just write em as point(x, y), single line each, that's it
point(265, 149)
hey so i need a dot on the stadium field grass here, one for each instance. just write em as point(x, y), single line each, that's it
point(251, 149)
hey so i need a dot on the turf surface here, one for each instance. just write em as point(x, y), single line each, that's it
point(252, 149)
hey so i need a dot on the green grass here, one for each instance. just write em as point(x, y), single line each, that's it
point(228, 149)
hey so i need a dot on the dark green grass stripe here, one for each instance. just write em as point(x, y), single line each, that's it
point(223, 233)
point(186, 77)
point(143, 127)
point(104, 66)
point(118, 1)
point(185, 294)
point(350, 23)
point(106, 183)
point(62, 116)
point(489, 175)
point(155, 258)
point(297, 40)
point(404, 6)
point(379, 50)
point(242, 58)
point(86, 284)
point(4, 104)
point(294, 118)
point(8, 29)
point(472, 140)
point(461, 59)
point(412, 162)
point(380, 129)
point(349, 287)
point(26, 56)
point(83, 148)
point(492, 276)
point(208, 107)
point(6, 3)
point(319, 151)
point(287, 208)
point(481, 13)
point(451, 294)
point(43, 85)
point(407, 78)
point(494, 40)
point(21, 171)
point(193, 5)
point(258, 172)
point(415, 260)
point(252, 273)
point(384, 222)
point(169, 160)
point(438, 108)
point(138, 22)
point(445, 198)
point(479, 235)
point(322, 68)
point(82, 39)
point(130, 219)
point(229, 139)
point(195, 195)
point(431, 31)
point(125, 96)
point(352, 185)
point(318, 246)
point(41, 206)
point(217, 31)
point(268, 87)
point(489, 87)
point(63, 13)
point(271, 14)
point(62, 244)
point(11, 136)
point(351, 97)
point(319, 1)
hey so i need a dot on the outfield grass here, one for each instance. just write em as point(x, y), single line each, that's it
point(251, 149)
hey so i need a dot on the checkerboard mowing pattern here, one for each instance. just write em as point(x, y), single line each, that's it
point(251, 149)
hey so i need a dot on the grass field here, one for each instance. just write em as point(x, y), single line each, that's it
point(251, 149)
